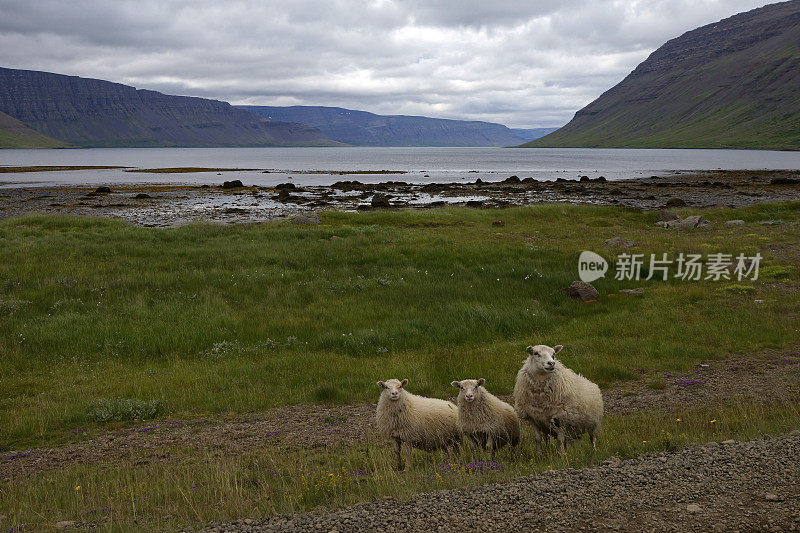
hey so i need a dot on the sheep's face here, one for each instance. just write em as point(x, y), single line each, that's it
point(470, 389)
point(542, 358)
point(392, 388)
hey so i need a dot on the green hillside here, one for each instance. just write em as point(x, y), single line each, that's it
point(15, 134)
point(732, 84)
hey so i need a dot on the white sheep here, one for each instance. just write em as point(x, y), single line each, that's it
point(555, 400)
point(419, 422)
point(485, 419)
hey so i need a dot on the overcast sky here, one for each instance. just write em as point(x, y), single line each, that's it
point(524, 63)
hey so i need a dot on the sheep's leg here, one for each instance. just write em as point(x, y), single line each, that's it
point(409, 449)
point(398, 444)
point(593, 439)
point(562, 440)
point(540, 439)
point(490, 447)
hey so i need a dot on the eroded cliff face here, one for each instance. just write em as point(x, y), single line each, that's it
point(361, 128)
point(734, 83)
point(89, 112)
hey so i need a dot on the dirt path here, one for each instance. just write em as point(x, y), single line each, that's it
point(766, 377)
point(732, 486)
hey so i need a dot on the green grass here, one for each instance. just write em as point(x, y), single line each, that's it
point(194, 487)
point(218, 319)
point(102, 323)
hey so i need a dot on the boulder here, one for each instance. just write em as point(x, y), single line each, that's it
point(380, 200)
point(286, 186)
point(692, 222)
point(102, 190)
point(142, 196)
point(499, 223)
point(666, 216)
point(581, 289)
point(736, 222)
point(234, 184)
point(474, 203)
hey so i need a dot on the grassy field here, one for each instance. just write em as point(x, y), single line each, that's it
point(102, 322)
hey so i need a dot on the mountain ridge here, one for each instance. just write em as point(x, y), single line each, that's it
point(362, 128)
point(87, 112)
point(734, 83)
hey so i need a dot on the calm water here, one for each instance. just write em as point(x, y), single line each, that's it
point(422, 164)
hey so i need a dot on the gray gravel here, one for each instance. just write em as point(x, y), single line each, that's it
point(729, 486)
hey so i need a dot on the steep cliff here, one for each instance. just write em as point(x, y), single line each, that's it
point(734, 83)
point(93, 113)
point(361, 128)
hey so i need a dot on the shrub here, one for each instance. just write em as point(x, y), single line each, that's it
point(123, 409)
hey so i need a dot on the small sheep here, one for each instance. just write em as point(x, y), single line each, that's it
point(485, 419)
point(419, 422)
point(555, 400)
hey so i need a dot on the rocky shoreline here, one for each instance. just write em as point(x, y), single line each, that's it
point(235, 202)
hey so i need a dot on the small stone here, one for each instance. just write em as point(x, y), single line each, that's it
point(736, 222)
point(65, 524)
point(249, 521)
point(772, 497)
point(142, 196)
point(693, 508)
point(335, 238)
point(729, 441)
point(581, 289)
point(380, 200)
point(619, 241)
point(499, 223)
point(675, 202)
point(719, 527)
point(306, 218)
point(638, 291)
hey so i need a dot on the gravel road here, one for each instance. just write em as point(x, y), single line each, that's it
point(728, 486)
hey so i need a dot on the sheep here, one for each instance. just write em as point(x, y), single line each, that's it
point(419, 422)
point(485, 419)
point(555, 400)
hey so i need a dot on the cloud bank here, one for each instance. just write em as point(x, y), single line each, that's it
point(524, 63)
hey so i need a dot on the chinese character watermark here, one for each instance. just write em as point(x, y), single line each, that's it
point(685, 267)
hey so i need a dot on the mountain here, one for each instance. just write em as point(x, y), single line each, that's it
point(15, 134)
point(731, 84)
point(530, 134)
point(95, 113)
point(361, 128)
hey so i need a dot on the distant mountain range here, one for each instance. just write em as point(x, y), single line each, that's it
point(86, 112)
point(360, 128)
point(731, 84)
point(45, 110)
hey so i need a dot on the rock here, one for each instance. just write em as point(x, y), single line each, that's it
point(380, 200)
point(675, 202)
point(581, 289)
point(736, 222)
point(474, 203)
point(638, 291)
point(335, 238)
point(142, 196)
point(729, 441)
point(512, 179)
point(692, 222)
point(619, 241)
point(306, 218)
point(499, 223)
point(65, 524)
point(102, 190)
point(232, 184)
point(662, 224)
point(584, 178)
point(286, 186)
point(666, 215)
point(784, 181)
point(773, 497)
point(601, 179)
point(693, 508)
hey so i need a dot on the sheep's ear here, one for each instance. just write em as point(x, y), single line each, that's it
point(381, 385)
point(481, 382)
point(456, 384)
point(404, 383)
point(529, 349)
point(557, 348)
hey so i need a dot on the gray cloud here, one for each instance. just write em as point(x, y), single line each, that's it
point(524, 63)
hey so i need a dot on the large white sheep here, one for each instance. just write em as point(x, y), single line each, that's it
point(486, 420)
point(416, 421)
point(555, 400)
